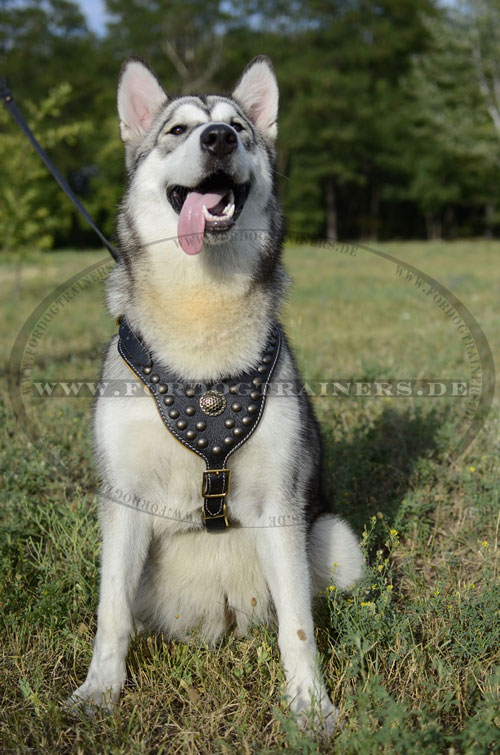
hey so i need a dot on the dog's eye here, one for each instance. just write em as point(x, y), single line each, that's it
point(237, 126)
point(177, 130)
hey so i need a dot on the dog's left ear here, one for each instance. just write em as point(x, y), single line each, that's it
point(140, 97)
point(257, 92)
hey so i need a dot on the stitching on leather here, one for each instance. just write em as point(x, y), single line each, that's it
point(170, 427)
point(264, 391)
point(221, 503)
point(160, 408)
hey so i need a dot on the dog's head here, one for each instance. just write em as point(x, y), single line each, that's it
point(200, 167)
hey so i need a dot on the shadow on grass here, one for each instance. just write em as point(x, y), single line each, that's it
point(372, 469)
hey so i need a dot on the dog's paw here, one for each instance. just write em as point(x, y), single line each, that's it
point(95, 693)
point(315, 713)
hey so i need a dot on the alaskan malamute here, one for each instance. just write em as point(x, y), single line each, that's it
point(197, 290)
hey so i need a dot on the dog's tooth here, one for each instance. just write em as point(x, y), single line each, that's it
point(229, 211)
point(231, 196)
point(208, 215)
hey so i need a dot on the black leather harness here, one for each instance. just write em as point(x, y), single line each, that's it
point(210, 419)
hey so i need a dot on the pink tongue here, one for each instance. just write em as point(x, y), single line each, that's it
point(191, 225)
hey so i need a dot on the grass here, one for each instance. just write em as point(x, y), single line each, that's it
point(411, 655)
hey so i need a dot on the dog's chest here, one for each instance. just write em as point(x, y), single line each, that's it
point(166, 479)
point(195, 580)
point(210, 329)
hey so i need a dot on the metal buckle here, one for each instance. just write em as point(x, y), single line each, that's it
point(217, 516)
point(204, 484)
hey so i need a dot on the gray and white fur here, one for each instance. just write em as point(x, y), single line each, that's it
point(207, 316)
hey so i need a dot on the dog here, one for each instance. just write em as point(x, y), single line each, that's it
point(198, 287)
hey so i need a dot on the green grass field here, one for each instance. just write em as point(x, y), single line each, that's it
point(411, 655)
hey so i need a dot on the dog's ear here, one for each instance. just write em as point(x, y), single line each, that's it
point(257, 92)
point(140, 97)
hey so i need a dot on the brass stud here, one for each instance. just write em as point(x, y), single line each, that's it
point(229, 423)
point(255, 395)
point(257, 381)
point(182, 424)
point(246, 421)
point(162, 388)
point(202, 443)
point(228, 441)
point(262, 368)
point(217, 450)
point(234, 389)
point(201, 425)
point(236, 406)
point(238, 432)
point(266, 359)
point(212, 403)
point(173, 413)
point(252, 408)
point(147, 370)
point(190, 392)
point(168, 400)
point(190, 410)
point(190, 435)
point(155, 378)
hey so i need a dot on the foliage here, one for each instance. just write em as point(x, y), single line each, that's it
point(32, 212)
point(452, 146)
point(390, 110)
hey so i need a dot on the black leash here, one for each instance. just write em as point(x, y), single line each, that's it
point(8, 99)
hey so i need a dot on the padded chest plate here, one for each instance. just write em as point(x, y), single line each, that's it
point(211, 419)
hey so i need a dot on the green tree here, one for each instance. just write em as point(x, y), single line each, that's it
point(341, 100)
point(390, 109)
point(40, 39)
point(28, 193)
point(181, 39)
point(451, 155)
point(479, 25)
point(41, 44)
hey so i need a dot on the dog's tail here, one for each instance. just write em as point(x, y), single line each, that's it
point(334, 554)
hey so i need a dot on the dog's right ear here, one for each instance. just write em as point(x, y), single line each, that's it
point(140, 97)
point(257, 92)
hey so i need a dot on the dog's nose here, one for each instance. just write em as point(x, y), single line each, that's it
point(219, 139)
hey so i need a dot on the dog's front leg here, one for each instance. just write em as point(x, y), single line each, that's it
point(282, 551)
point(126, 536)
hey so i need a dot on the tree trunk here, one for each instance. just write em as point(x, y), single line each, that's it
point(331, 209)
point(374, 213)
point(433, 226)
point(449, 223)
point(17, 277)
point(489, 214)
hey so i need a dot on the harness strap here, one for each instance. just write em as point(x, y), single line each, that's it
point(8, 100)
point(210, 419)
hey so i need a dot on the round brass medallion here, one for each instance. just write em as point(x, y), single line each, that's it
point(212, 403)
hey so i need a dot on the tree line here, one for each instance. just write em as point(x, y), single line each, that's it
point(390, 109)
